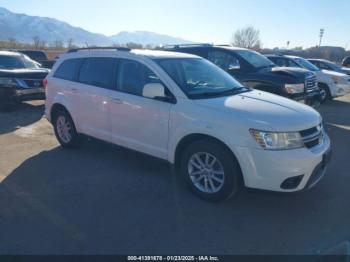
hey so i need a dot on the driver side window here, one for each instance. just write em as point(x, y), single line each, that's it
point(133, 76)
point(223, 60)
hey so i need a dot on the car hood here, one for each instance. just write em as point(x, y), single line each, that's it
point(266, 111)
point(333, 73)
point(37, 73)
point(295, 72)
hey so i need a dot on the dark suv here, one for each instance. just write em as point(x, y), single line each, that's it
point(256, 71)
point(21, 79)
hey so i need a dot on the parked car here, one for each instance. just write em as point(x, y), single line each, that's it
point(331, 84)
point(254, 70)
point(217, 133)
point(40, 57)
point(20, 79)
point(324, 64)
point(346, 61)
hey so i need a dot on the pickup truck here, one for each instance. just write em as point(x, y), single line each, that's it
point(256, 71)
point(39, 56)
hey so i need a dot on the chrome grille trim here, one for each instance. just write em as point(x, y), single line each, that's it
point(311, 83)
point(313, 137)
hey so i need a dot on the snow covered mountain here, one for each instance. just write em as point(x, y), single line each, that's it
point(146, 38)
point(24, 28)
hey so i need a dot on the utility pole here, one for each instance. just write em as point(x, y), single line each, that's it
point(288, 43)
point(321, 36)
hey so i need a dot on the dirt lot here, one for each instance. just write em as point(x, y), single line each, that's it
point(101, 199)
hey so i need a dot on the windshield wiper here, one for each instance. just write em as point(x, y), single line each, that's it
point(229, 92)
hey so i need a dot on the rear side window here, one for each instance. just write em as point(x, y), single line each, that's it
point(133, 76)
point(98, 71)
point(68, 69)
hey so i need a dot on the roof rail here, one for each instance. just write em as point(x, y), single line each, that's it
point(187, 45)
point(99, 48)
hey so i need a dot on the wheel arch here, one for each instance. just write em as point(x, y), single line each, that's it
point(191, 138)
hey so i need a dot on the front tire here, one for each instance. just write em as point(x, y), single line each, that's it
point(211, 170)
point(65, 130)
point(325, 93)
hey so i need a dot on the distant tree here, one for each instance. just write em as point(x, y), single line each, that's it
point(58, 45)
point(132, 45)
point(247, 37)
point(36, 42)
point(70, 43)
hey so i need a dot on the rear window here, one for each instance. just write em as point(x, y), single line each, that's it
point(11, 62)
point(68, 69)
point(98, 71)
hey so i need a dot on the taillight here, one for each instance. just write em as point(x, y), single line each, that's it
point(45, 82)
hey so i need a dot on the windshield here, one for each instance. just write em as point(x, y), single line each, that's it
point(199, 78)
point(306, 64)
point(16, 62)
point(255, 59)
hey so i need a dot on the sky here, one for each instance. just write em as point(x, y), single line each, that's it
point(204, 21)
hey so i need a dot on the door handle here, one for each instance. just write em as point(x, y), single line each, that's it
point(74, 90)
point(117, 101)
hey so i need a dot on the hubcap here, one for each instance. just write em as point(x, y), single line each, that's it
point(206, 172)
point(64, 129)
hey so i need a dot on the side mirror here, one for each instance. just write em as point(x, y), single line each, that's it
point(154, 90)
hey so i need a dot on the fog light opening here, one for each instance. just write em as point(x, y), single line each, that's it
point(292, 182)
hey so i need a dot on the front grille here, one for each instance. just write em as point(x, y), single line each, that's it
point(312, 137)
point(34, 83)
point(311, 83)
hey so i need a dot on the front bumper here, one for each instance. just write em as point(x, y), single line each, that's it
point(268, 170)
point(313, 98)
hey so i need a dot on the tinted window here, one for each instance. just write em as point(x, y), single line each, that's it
point(68, 69)
point(254, 58)
point(223, 60)
point(133, 76)
point(278, 61)
point(11, 62)
point(98, 71)
point(306, 64)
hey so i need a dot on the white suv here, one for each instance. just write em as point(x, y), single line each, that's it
point(182, 108)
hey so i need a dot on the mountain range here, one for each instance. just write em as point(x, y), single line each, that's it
point(24, 28)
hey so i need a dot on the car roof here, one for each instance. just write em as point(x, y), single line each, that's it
point(161, 54)
point(293, 56)
point(318, 59)
point(153, 54)
point(10, 53)
point(273, 55)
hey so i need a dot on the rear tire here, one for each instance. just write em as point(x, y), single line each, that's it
point(210, 170)
point(65, 130)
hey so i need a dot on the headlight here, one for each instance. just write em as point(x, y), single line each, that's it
point(339, 80)
point(276, 140)
point(294, 88)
